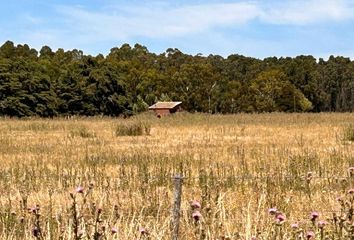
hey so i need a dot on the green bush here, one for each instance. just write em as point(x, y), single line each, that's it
point(132, 128)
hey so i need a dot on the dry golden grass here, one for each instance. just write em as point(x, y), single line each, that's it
point(237, 166)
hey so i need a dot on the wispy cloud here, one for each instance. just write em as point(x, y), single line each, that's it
point(223, 26)
point(158, 21)
point(32, 19)
point(161, 20)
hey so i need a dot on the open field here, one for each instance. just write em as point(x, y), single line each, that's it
point(236, 166)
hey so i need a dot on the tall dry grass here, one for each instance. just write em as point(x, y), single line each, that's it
point(236, 166)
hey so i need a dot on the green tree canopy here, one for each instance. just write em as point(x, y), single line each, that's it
point(58, 82)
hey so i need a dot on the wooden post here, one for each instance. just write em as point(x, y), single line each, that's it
point(176, 207)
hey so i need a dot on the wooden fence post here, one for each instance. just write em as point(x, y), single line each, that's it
point(176, 207)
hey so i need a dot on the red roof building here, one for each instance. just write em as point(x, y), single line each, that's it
point(165, 108)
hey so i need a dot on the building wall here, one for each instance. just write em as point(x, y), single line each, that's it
point(162, 112)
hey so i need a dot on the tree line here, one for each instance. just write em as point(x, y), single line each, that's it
point(59, 83)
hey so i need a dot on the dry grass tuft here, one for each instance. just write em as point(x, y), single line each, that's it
point(349, 133)
point(132, 128)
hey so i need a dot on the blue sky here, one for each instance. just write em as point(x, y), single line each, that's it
point(253, 28)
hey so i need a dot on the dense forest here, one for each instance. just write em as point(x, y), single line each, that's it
point(59, 83)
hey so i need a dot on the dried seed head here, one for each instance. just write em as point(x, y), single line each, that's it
point(36, 232)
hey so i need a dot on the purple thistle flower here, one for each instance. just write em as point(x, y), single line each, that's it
point(280, 218)
point(272, 211)
point(321, 224)
point(79, 190)
point(294, 226)
point(195, 204)
point(33, 210)
point(143, 231)
point(310, 235)
point(196, 216)
point(114, 230)
point(314, 216)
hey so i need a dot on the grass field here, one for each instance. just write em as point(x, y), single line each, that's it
point(79, 179)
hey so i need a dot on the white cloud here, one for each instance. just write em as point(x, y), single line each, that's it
point(307, 12)
point(158, 22)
